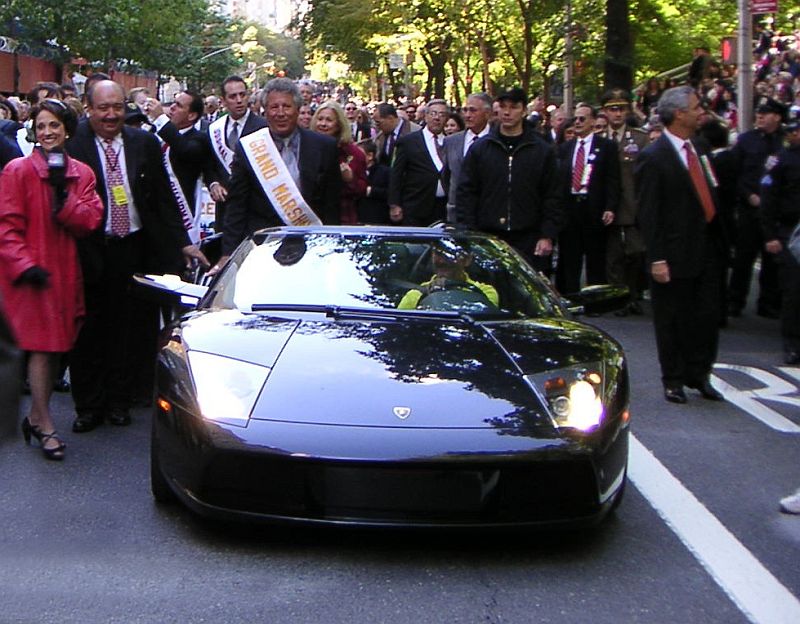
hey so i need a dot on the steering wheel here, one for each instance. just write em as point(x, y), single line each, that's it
point(452, 294)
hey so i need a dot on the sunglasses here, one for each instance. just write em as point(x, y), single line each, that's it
point(581, 118)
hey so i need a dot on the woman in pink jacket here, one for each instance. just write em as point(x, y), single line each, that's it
point(47, 200)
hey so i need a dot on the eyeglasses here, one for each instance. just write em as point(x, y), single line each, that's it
point(436, 113)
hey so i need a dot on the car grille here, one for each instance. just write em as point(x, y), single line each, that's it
point(532, 492)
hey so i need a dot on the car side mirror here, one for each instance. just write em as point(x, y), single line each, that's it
point(598, 299)
point(170, 291)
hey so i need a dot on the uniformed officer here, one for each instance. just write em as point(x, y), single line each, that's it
point(625, 245)
point(780, 214)
point(752, 150)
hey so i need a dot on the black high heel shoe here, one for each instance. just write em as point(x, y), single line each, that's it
point(56, 453)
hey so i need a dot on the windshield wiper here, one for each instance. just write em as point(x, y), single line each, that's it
point(333, 311)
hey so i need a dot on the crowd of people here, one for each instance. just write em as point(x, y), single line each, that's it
point(637, 190)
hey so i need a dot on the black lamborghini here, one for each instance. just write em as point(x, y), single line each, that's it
point(388, 377)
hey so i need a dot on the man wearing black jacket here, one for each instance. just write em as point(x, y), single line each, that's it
point(509, 185)
point(780, 214)
point(142, 233)
point(685, 238)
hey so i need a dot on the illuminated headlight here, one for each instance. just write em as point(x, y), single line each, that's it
point(227, 389)
point(574, 395)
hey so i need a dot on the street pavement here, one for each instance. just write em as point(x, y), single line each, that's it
point(82, 540)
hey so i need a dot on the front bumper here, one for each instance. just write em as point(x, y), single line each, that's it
point(391, 477)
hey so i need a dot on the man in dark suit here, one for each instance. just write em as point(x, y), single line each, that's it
point(391, 128)
point(417, 195)
point(142, 232)
point(477, 113)
point(312, 159)
point(224, 133)
point(590, 186)
point(187, 149)
point(685, 236)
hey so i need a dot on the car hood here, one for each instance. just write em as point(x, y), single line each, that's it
point(416, 373)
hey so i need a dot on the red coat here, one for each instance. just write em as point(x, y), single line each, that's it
point(45, 319)
point(354, 190)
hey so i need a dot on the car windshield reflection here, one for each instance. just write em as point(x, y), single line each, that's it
point(465, 274)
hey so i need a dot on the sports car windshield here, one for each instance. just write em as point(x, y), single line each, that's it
point(473, 275)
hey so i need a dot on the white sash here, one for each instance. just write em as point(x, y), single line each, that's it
point(191, 219)
point(275, 179)
point(216, 131)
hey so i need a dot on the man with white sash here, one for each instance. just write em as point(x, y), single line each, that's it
point(224, 134)
point(284, 175)
point(186, 155)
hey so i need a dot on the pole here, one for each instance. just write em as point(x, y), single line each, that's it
point(569, 95)
point(744, 82)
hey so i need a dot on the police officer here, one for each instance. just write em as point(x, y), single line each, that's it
point(780, 214)
point(752, 151)
point(625, 245)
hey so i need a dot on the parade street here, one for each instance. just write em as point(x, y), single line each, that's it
point(698, 538)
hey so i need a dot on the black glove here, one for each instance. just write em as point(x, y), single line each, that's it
point(35, 276)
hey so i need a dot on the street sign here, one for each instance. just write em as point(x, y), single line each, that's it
point(396, 61)
point(763, 6)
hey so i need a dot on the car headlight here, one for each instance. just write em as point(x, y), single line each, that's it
point(574, 395)
point(226, 389)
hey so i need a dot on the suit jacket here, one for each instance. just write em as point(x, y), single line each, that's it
point(217, 172)
point(247, 207)
point(374, 208)
point(414, 178)
point(380, 141)
point(189, 154)
point(670, 212)
point(454, 156)
point(627, 211)
point(162, 225)
point(603, 191)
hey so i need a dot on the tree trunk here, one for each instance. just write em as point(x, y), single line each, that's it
point(618, 65)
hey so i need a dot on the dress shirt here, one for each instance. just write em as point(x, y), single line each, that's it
point(118, 145)
point(587, 149)
point(434, 145)
point(677, 143)
point(470, 137)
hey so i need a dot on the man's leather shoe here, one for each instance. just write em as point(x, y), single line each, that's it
point(119, 417)
point(792, 357)
point(635, 308)
point(86, 421)
point(675, 395)
point(706, 389)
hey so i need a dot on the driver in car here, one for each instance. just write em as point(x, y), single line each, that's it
point(450, 262)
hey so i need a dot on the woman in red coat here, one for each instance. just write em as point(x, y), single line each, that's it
point(330, 119)
point(46, 200)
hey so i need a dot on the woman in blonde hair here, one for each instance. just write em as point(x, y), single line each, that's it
point(329, 119)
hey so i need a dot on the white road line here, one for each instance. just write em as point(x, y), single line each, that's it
point(757, 593)
point(774, 389)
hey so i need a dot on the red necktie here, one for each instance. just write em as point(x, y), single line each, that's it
point(577, 169)
point(120, 219)
point(700, 182)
